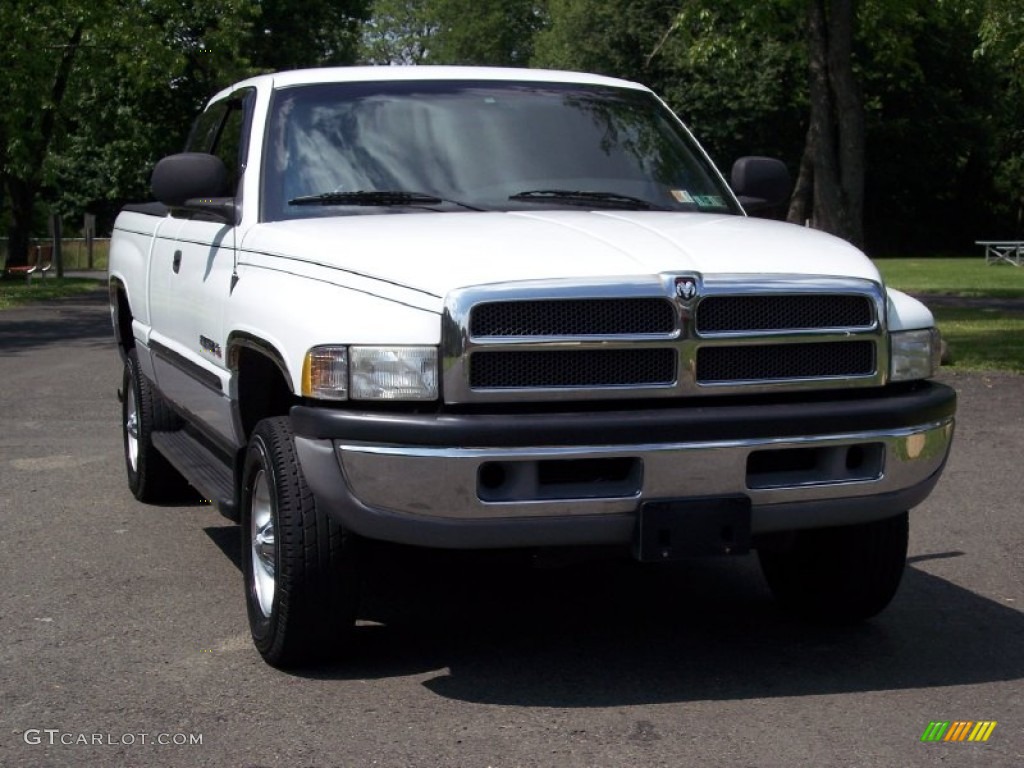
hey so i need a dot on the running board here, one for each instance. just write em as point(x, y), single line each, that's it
point(205, 470)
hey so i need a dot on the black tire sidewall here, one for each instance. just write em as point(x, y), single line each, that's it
point(840, 575)
point(316, 585)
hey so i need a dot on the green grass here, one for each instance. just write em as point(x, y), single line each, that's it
point(979, 338)
point(983, 339)
point(17, 293)
point(954, 277)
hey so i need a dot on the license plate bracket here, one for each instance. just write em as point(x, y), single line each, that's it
point(672, 529)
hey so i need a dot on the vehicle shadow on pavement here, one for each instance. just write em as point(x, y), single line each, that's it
point(85, 319)
point(616, 633)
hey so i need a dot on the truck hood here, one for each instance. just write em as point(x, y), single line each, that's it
point(433, 253)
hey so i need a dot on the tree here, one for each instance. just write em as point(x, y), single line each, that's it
point(830, 186)
point(1001, 38)
point(312, 33)
point(733, 70)
point(102, 81)
point(41, 49)
point(452, 32)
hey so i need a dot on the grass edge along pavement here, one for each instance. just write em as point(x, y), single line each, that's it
point(17, 292)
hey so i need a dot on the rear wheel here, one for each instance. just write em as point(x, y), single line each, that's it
point(839, 575)
point(299, 565)
point(151, 477)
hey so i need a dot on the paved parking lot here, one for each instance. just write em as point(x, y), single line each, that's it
point(123, 638)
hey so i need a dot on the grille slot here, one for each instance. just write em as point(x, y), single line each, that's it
point(572, 368)
point(773, 362)
point(722, 314)
point(573, 317)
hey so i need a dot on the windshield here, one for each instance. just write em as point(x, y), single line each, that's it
point(503, 146)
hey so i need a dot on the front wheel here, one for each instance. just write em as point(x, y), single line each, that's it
point(299, 565)
point(839, 575)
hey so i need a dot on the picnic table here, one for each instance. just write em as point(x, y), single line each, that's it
point(1010, 251)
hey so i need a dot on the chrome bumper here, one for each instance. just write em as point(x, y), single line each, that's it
point(453, 482)
point(505, 492)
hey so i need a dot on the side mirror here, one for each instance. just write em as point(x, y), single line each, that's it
point(762, 185)
point(194, 181)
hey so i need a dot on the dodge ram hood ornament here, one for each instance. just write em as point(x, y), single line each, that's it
point(686, 288)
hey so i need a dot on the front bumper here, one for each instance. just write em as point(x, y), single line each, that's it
point(558, 479)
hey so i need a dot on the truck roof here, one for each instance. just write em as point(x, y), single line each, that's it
point(405, 73)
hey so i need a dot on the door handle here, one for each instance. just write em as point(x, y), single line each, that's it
point(176, 264)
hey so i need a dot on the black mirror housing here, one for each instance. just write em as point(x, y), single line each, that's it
point(762, 185)
point(186, 176)
point(194, 181)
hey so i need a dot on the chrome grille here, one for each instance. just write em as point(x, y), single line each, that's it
point(723, 314)
point(573, 317)
point(640, 337)
point(778, 362)
point(572, 368)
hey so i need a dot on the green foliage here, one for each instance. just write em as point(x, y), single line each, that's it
point(733, 70)
point(945, 142)
point(292, 34)
point(135, 74)
point(929, 183)
point(398, 32)
point(1002, 46)
point(465, 32)
point(97, 91)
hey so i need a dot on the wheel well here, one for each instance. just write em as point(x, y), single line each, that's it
point(123, 321)
point(263, 389)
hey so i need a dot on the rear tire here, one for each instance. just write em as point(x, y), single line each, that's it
point(151, 477)
point(298, 564)
point(839, 575)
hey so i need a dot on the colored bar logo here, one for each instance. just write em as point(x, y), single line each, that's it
point(959, 730)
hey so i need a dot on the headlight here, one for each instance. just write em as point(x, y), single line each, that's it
point(370, 373)
point(915, 354)
point(393, 373)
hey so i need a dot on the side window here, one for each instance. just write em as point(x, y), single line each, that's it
point(206, 127)
point(229, 144)
point(222, 130)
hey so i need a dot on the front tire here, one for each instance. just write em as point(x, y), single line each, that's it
point(840, 575)
point(298, 564)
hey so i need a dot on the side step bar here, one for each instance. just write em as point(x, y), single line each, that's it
point(205, 470)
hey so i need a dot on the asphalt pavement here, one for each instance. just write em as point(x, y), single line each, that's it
point(124, 642)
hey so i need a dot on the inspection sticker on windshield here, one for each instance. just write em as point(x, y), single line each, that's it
point(681, 196)
point(709, 201)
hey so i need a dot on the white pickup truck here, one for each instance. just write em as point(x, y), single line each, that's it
point(498, 308)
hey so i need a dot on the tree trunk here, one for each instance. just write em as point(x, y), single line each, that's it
point(830, 187)
point(801, 202)
point(828, 198)
point(849, 116)
point(19, 235)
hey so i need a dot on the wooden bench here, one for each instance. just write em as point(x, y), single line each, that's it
point(40, 261)
point(1010, 251)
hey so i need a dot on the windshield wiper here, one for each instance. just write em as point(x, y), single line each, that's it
point(583, 197)
point(377, 197)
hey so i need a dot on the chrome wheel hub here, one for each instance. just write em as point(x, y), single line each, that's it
point(262, 551)
point(131, 428)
